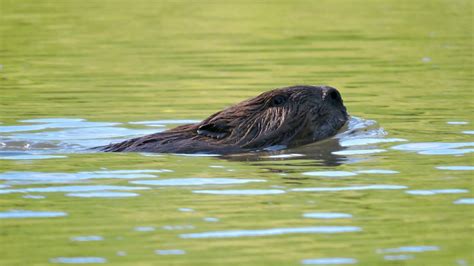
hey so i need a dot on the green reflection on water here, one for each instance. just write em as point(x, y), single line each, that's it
point(406, 64)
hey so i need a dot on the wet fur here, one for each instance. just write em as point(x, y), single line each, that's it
point(307, 114)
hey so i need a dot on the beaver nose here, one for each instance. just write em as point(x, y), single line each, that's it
point(331, 95)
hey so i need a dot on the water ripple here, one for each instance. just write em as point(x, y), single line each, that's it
point(70, 189)
point(103, 194)
point(170, 252)
point(328, 261)
point(333, 189)
point(195, 181)
point(248, 192)
point(329, 173)
point(465, 201)
point(456, 168)
point(87, 238)
point(436, 191)
point(409, 249)
point(13, 214)
point(327, 215)
point(78, 260)
point(274, 231)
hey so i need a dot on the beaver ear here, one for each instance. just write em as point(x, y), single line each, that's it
point(213, 130)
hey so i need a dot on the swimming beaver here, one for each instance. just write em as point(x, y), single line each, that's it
point(288, 117)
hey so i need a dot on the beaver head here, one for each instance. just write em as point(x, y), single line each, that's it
point(288, 116)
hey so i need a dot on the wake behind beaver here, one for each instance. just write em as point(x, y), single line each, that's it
point(290, 117)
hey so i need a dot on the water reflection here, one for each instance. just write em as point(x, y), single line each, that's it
point(211, 219)
point(464, 201)
point(103, 194)
point(87, 238)
point(377, 171)
point(335, 189)
point(64, 135)
point(144, 228)
point(46, 178)
point(457, 123)
point(408, 249)
point(398, 257)
point(274, 231)
point(329, 261)
point(78, 260)
point(329, 173)
point(327, 215)
point(170, 252)
point(436, 191)
point(456, 168)
point(436, 148)
point(15, 214)
point(244, 192)
point(195, 181)
point(69, 189)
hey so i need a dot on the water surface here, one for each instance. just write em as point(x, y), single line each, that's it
point(393, 188)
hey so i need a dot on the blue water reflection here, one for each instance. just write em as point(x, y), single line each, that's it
point(15, 214)
point(244, 192)
point(329, 261)
point(335, 189)
point(87, 238)
point(436, 191)
point(78, 260)
point(274, 231)
point(170, 252)
point(195, 181)
point(327, 215)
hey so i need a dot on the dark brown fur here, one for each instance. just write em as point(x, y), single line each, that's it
point(288, 117)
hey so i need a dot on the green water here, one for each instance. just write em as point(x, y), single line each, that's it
point(405, 64)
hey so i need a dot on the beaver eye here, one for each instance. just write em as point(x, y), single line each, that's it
point(278, 100)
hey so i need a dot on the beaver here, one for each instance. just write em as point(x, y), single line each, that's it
point(283, 117)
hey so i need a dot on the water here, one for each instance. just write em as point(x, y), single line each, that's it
point(394, 187)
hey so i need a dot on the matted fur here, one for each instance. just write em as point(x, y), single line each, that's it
point(289, 116)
